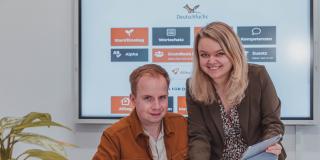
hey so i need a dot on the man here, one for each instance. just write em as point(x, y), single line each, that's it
point(149, 132)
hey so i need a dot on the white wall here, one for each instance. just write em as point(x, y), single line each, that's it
point(37, 74)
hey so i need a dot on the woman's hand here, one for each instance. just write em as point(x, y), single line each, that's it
point(275, 149)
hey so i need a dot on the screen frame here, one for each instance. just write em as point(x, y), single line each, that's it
point(314, 69)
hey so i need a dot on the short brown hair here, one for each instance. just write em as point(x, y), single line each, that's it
point(153, 70)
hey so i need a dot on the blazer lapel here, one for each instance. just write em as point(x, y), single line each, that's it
point(216, 117)
point(244, 115)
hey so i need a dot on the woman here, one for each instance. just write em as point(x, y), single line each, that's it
point(231, 104)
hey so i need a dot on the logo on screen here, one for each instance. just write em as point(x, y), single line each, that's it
point(129, 36)
point(255, 31)
point(256, 35)
point(164, 36)
point(182, 105)
point(175, 70)
point(125, 101)
point(171, 32)
point(158, 54)
point(129, 32)
point(172, 55)
point(170, 104)
point(129, 55)
point(180, 72)
point(121, 105)
point(191, 13)
point(191, 9)
point(116, 53)
point(261, 54)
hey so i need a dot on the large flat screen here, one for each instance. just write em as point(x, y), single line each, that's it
point(116, 36)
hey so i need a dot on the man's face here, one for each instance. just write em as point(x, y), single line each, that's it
point(151, 99)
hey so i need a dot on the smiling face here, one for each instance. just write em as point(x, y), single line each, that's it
point(151, 99)
point(213, 60)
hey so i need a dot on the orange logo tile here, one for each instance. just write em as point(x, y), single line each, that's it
point(182, 105)
point(129, 36)
point(120, 105)
point(172, 55)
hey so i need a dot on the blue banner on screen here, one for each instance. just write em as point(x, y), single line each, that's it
point(257, 34)
point(261, 54)
point(168, 36)
point(129, 55)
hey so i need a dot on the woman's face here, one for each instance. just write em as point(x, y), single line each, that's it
point(213, 61)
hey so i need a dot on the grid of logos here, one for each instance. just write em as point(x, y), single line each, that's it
point(132, 45)
point(172, 45)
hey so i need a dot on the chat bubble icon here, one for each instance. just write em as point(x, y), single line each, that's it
point(255, 31)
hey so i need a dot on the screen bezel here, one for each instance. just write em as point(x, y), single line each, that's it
point(314, 72)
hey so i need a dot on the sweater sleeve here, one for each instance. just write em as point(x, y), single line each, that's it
point(108, 148)
point(270, 107)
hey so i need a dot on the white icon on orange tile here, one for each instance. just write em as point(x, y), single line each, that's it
point(129, 32)
point(125, 101)
point(158, 54)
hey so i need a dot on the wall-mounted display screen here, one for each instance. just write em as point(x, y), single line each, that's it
point(116, 36)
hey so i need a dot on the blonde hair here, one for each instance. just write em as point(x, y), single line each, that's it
point(201, 85)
